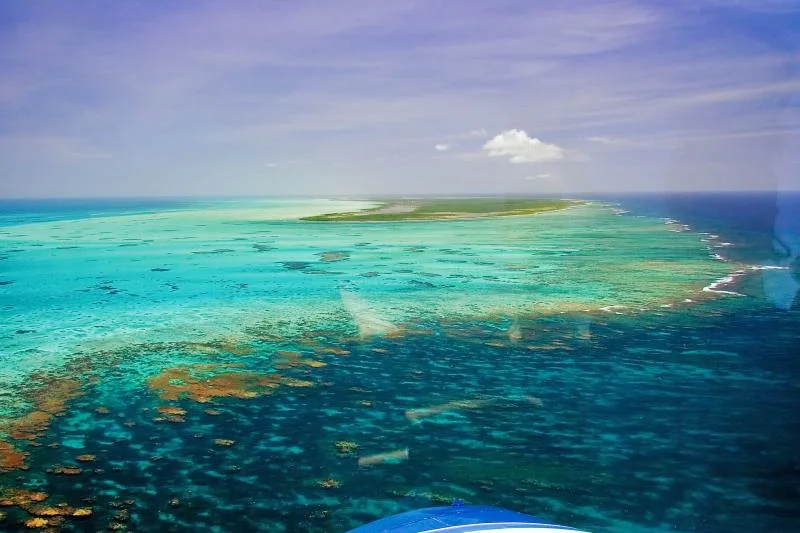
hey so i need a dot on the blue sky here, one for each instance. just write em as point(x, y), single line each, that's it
point(401, 96)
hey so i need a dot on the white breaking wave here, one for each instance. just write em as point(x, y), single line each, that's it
point(722, 282)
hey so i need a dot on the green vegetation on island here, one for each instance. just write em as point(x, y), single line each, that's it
point(448, 208)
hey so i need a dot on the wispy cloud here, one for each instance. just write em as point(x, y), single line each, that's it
point(542, 176)
point(442, 147)
point(615, 141)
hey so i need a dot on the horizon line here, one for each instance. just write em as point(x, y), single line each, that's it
point(355, 196)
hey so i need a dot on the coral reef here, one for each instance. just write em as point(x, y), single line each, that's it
point(20, 497)
point(203, 383)
point(331, 257)
point(11, 458)
point(62, 470)
point(346, 447)
point(36, 523)
point(49, 397)
point(334, 351)
point(329, 483)
point(171, 410)
point(287, 359)
point(294, 382)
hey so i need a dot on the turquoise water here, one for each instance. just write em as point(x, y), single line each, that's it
point(591, 366)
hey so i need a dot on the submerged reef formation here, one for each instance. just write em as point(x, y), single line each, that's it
point(11, 458)
point(35, 513)
point(203, 382)
point(48, 397)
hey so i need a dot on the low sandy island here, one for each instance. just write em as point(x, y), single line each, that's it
point(448, 208)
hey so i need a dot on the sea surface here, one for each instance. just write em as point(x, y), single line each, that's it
point(630, 364)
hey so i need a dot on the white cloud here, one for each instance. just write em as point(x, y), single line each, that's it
point(542, 176)
point(442, 147)
point(478, 133)
point(520, 148)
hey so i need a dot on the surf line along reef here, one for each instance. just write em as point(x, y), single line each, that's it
point(159, 361)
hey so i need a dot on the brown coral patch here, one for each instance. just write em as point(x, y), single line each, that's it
point(29, 426)
point(86, 458)
point(334, 351)
point(237, 349)
point(20, 497)
point(224, 442)
point(53, 397)
point(294, 382)
point(62, 470)
point(171, 410)
point(285, 359)
point(169, 418)
point(332, 257)
point(48, 511)
point(11, 458)
point(202, 383)
point(329, 483)
point(36, 523)
point(270, 381)
point(345, 447)
point(49, 400)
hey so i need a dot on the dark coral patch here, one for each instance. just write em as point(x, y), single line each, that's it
point(330, 257)
point(217, 251)
point(295, 265)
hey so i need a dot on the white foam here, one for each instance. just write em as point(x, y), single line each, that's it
point(768, 267)
point(722, 282)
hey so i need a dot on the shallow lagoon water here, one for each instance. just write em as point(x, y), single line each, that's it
point(567, 364)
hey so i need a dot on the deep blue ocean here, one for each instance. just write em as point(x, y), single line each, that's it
point(671, 418)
